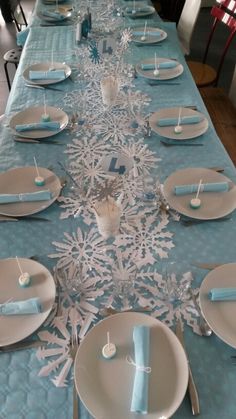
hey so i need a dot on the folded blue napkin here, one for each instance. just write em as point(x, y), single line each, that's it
point(22, 36)
point(31, 306)
point(25, 197)
point(163, 64)
point(137, 9)
point(141, 338)
point(54, 15)
point(185, 120)
point(205, 187)
point(222, 294)
point(50, 126)
point(148, 33)
point(47, 75)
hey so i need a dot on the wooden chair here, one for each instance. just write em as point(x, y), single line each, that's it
point(203, 74)
point(187, 22)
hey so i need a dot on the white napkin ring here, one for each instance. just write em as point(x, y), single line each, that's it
point(138, 367)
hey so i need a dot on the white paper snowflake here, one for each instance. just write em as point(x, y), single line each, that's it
point(58, 353)
point(84, 247)
point(149, 240)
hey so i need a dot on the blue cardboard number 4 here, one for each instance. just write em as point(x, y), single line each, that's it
point(112, 167)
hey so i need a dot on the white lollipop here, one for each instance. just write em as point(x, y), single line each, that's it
point(195, 203)
point(109, 350)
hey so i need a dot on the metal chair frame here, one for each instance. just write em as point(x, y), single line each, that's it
point(18, 25)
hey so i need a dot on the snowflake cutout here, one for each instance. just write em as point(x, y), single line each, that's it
point(84, 247)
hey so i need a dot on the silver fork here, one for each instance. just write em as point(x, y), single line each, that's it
point(73, 349)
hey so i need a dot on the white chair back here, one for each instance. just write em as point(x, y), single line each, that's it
point(187, 23)
point(232, 91)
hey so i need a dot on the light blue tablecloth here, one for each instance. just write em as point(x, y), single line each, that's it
point(24, 395)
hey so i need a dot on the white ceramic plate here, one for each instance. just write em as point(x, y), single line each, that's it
point(105, 387)
point(220, 314)
point(149, 39)
point(213, 204)
point(33, 115)
point(66, 14)
point(189, 130)
point(45, 67)
point(21, 180)
point(15, 328)
point(149, 10)
point(164, 73)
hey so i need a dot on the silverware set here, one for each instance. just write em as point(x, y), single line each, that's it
point(6, 218)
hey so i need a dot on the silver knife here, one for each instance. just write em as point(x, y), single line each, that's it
point(19, 346)
point(192, 389)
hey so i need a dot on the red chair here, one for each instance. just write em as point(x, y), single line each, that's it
point(203, 74)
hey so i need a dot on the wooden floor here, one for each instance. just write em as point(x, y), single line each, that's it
point(223, 116)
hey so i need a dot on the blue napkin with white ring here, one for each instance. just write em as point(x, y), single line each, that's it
point(222, 294)
point(141, 338)
point(43, 195)
point(163, 64)
point(50, 126)
point(47, 75)
point(205, 187)
point(30, 306)
point(54, 15)
point(185, 120)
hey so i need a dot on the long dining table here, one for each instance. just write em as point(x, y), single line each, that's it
point(69, 232)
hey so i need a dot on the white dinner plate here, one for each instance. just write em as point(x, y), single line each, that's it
point(213, 204)
point(33, 115)
point(45, 67)
point(149, 39)
point(149, 10)
point(66, 14)
point(105, 386)
point(220, 314)
point(164, 73)
point(21, 180)
point(189, 130)
point(15, 328)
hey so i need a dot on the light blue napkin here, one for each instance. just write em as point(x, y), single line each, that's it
point(163, 64)
point(22, 36)
point(137, 9)
point(50, 126)
point(54, 15)
point(205, 187)
point(185, 120)
point(25, 197)
point(148, 33)
point(141, 338)
point(222, 294)
point(31, 306)
point(47, 75)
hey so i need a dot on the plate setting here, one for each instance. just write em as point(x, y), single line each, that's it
point(152, 35)
point(140, 10)
point(20, 181)
point(213, 204)
point(164, 121)
point(220, 314)
point(105, 386)
point(14, 328)
point(45, 67)
point(167, 68)
point(33, 115)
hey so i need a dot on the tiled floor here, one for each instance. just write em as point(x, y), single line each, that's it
point(8, 35)
point(8, 41)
